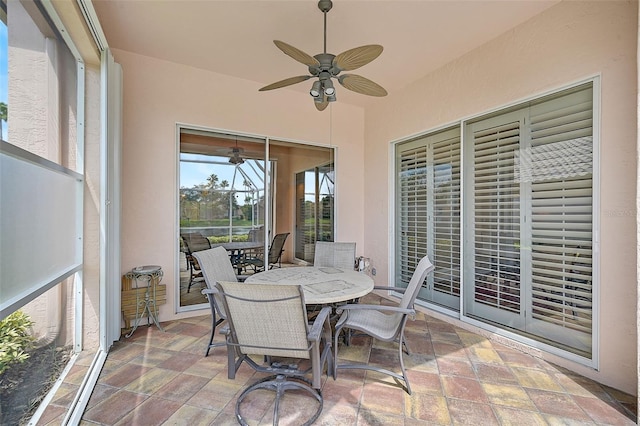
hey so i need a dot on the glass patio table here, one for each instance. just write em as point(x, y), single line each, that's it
point(321, 285)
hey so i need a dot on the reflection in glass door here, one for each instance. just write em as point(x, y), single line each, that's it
point(314, 209)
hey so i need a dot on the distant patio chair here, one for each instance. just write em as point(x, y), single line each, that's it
point(335, 254)
point(194, 242)
point(270, 321)
point(274, 255)
point(256, 235)
point(383, 322)
point(215, 266)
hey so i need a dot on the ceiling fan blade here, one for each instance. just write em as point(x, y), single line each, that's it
point(361, 85)
point(296, 54)
point(286, 82)
point(320, 106)
point(357, 57)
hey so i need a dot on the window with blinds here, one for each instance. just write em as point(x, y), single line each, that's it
point(530, 219)
point(428, 214)
point(560, 181)
point(496, 203)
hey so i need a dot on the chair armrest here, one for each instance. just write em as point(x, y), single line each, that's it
point(398, 289)
point(319, 323)
point(381, 308)
point(206, 291)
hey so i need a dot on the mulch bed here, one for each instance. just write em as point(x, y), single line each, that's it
point(24, 385)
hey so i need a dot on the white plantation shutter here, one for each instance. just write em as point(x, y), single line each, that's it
point(446, 216)
point(412, 205)
point(561, 211)
point(497, 217)
point(428, 214)
point(529, 219)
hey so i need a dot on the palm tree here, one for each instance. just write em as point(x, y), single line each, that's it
point(213, 181)
point(4, 112)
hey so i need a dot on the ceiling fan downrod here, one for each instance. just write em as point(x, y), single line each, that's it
point(325, 6)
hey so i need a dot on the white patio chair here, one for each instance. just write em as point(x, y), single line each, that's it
point(382, 322)
point(335, 254)
point(270, 321)
point(215, 266)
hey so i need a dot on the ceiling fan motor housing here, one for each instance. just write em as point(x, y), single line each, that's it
point(326, 64)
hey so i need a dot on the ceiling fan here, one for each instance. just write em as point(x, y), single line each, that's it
point(326, 66)
point(235, 157)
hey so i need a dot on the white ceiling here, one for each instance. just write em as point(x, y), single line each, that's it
point(235, 37)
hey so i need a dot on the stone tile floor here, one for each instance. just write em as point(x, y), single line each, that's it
point(457, 377)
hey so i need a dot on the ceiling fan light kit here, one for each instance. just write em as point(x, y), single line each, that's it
point(325, 66)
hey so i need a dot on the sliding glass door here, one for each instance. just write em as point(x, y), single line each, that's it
point(234, 188)
point(520, 251)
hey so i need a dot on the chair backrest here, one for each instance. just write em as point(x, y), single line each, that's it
point(195, 241)
point(256, 234)
point(266, 319)
point(419, 274)
point(335, 254)
point(216, 266)
point(277, 246)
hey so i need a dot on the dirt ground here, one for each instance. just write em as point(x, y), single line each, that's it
point(23, 386)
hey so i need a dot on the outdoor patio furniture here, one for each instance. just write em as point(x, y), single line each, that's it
point(335, 254)
point(274, 256)
point(270, 322)
point(216, 266)
point(194, 242)
point(239, 251)
point(383, 322)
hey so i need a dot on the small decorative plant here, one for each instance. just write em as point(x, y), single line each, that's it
point(15, 339)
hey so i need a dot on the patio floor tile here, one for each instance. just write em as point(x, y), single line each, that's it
point(457, 378)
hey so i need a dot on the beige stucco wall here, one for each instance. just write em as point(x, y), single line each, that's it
point(159, 94)
point(567, 43)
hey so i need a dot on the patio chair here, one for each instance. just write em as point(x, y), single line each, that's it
point(269, 322)
point(215, 266)
point(194, 242)
point(274, 256)
point(256, 234)
point(335, 254)
point(382, 322)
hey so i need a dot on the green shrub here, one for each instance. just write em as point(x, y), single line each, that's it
point(225, 238)
point(15, 339)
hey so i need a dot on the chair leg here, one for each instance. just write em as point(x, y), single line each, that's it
point(214, 324)
point(190, 277)
point(404, 372)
